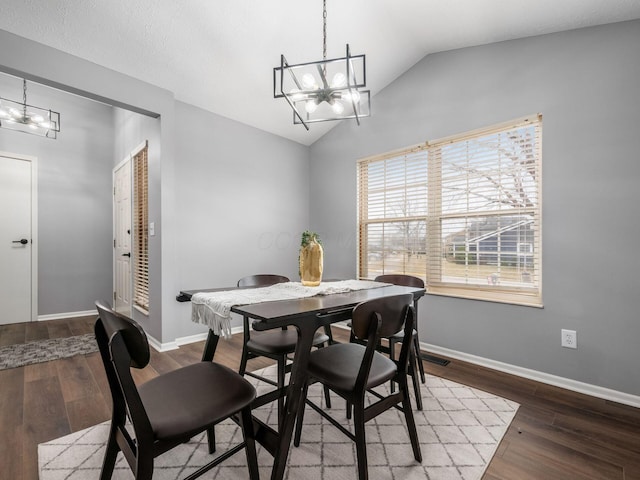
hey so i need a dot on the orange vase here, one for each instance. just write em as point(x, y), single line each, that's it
point(311, 263)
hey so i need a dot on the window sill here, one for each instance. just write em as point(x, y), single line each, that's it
point(511, 298)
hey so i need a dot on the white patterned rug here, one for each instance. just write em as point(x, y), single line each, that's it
point(459, 431)
point(22, 354)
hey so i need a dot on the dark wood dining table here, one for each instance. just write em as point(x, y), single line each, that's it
point(306, 315)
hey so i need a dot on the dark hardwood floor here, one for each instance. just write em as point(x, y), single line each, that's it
point(556, 434)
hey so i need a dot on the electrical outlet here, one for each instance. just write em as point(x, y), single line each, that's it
point(569, 339)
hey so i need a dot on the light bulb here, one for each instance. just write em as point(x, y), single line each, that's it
point(3, 113)
point(309, 82)
point(337, 107)
point(36, 118)
point(355, 96)
point(45, 124)
point(310, 106)
point(338, 80)
point(296, 95)
point(15, 112)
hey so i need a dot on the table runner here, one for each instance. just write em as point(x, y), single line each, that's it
point(214, 308)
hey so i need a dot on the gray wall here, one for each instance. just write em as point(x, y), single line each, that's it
point(74, 197)
point(242, 201)
point(586, 85)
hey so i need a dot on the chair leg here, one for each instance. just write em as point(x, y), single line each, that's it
point(282, 363)
point(110, 454)
point(246, 422)
point(327, 397)
point(327, 393)
point(414, 377)
point(211, 439)
point(416, 341)
point(329, 333)
point(300, 416)
point(243, 360)
point(411, 424)
point(144, 463)
point(392, 346)
point(361, 441)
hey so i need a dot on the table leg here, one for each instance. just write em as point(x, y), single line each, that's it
point(210, 346)
point(306, 330)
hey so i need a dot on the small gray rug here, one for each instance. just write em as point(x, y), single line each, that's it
point(459, 431)
point(19, 355)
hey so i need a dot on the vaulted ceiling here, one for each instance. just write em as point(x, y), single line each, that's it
point(220, 54)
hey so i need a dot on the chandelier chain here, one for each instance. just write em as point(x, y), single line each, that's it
point(324, 29)
point(24, 96)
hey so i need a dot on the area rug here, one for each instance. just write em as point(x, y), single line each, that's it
point(22, 354)
point(459, 431)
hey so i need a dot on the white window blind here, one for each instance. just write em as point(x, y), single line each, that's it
point(140, 230)
point(393, 214)
point(463, 213)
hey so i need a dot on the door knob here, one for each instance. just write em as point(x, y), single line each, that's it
point(126, 255)
point(23, 241)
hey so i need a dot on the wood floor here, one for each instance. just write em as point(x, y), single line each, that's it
point(556, 434)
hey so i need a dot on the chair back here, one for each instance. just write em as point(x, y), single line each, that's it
point(133, 335)
point(123, 344)
point(261, 280)
point(399, 279)
point(390, 312)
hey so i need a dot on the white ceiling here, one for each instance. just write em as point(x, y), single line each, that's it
point(220, 54)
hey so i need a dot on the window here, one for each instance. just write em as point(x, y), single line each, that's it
point(463, 213)
point(140, 230)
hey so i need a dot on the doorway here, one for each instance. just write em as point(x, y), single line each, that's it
point(18, 246)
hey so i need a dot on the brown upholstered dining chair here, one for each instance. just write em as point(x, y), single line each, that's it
point(353, 369)
point(274, 344)
point(169, 409)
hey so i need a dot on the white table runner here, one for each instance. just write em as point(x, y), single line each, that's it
point(214, 308)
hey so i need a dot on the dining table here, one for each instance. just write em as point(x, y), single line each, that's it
point(306, 315)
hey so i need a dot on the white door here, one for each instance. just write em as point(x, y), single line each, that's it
point(17, 209)
point(122, 237)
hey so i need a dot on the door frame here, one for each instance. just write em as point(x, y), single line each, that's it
point(33, 161)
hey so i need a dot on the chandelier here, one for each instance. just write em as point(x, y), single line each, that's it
point(328, 89)
point(27, 118)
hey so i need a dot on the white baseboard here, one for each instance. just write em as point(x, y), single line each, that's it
point(161, 347)
point(566, 383)
point(178, 342)
point(58, 316)
point(191, 339)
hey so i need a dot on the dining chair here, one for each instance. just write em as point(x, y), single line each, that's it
point(406, 281)
point(352, 369)
point(274, 344)
point(415, 362)
point(169, 409)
